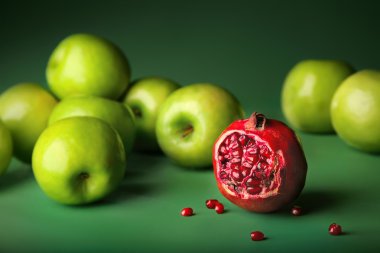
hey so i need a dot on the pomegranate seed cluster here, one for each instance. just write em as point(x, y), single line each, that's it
point(247, 165)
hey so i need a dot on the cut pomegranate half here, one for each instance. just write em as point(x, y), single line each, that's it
point(259, 164)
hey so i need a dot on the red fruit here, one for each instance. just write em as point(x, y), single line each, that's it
point(296, 210)
point(219, 208)
point(335, 229)
point(187, 211)
point(257, 236)
point(210, 203)
point(259, 164)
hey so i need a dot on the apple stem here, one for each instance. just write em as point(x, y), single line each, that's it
point(188, 130)
point(137, 112)
point(83, 176)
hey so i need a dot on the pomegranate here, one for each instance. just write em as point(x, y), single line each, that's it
point(259, 164)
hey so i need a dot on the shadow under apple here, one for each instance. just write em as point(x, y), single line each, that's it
point(15, 176)
point(140, 179)
point(142, 164)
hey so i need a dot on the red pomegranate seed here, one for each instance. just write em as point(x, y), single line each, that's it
point(187, 211)
point(257, 236)
point(335, 229)
point(297, 211)
point(210, 203)
point(219, 208)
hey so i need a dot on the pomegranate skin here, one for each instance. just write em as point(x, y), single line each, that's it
point(287, 159)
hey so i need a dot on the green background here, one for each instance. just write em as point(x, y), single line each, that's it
point(245, 46)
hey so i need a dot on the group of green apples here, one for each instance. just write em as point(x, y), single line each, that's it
point(79, 134)
point(327, 96)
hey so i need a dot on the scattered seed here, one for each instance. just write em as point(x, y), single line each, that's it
point(187, 211)
point(219, 208)
point(335, 229)
point(296, 211)
point(257, 236)
point(210, 203)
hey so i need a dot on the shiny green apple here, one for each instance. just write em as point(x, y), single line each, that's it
point(79, 160)
point(145, 97)
point(355, 111)
point(191, 119)
point(307, 93)
point(118, 115)
point(6, 148)
point(25, 109)
point(86, 64)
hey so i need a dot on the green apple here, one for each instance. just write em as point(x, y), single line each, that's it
point(6, 148)
point(79, 160)
point(25, 109)
point(118, 115)
point(145, 97)
point(85, 64)
point(191, 119)
point(355, 110)
point(307, 93)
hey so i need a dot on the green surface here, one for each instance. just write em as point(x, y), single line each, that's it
point(246, 47)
